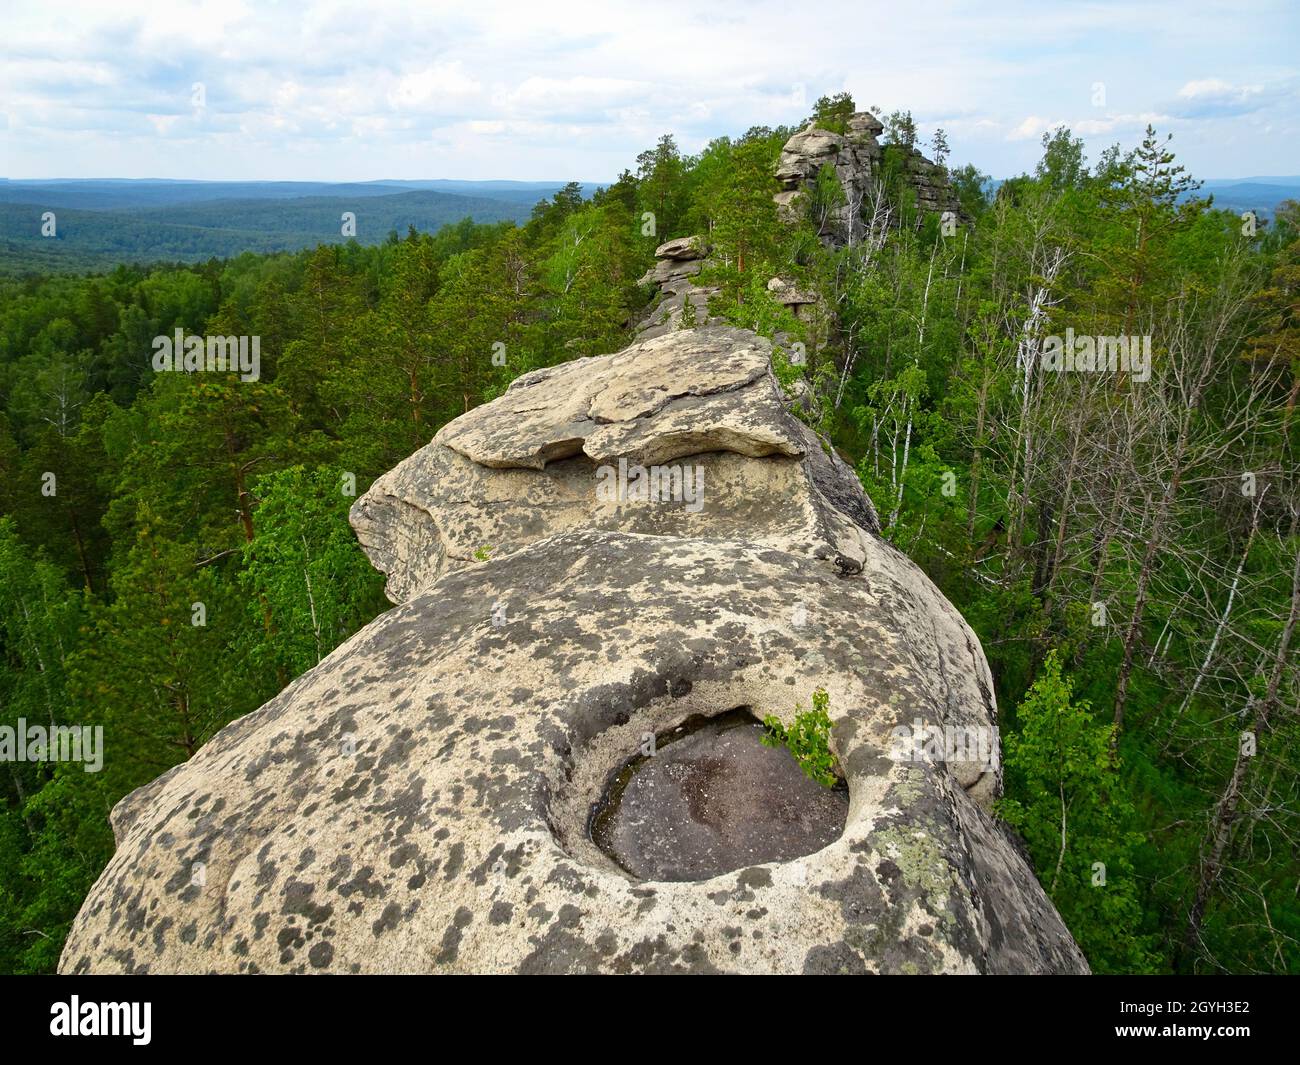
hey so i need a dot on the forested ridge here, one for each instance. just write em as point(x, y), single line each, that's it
point(174, 548)
point(97, 238)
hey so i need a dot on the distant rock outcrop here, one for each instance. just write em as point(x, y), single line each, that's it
point(804, 304)
point(676, 262)
point(614, 547)
point(856, 155)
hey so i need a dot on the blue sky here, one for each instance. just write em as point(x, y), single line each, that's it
point(536, 91)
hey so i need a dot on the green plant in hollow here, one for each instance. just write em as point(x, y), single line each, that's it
point(482, 554)
point(808, 739)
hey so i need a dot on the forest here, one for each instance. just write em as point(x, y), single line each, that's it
point(75, 227)
point(174, 548)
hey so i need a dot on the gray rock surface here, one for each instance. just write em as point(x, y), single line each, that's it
point(683, 248)
point(805, 304)
point(420, 801)
point(676, 262)
point(856, 156)
point(713, 801)
point(524, 467)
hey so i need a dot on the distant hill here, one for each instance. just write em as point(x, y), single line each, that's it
point(1292, 181)
point(528, 192)
point(1258, 194)
point(103, 222)
point(117, 194)
point(1261, 195)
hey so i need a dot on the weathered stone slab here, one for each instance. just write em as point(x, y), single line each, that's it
point(528, 464)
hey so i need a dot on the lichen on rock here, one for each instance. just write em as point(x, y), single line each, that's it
point(420, 801)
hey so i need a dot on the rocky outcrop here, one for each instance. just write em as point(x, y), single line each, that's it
point(526, 466)
point(804, 304)
point(422, 800)
point(856, 156)
point(676, 263)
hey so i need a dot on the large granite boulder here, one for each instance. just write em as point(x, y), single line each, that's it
point(422, 801)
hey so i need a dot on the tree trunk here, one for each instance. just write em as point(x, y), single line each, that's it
point(1154, 544)
point(1229, 805)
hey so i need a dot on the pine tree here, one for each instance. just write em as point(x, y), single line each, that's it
point(305, 565)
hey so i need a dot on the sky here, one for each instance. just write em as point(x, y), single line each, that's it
point(573, 91)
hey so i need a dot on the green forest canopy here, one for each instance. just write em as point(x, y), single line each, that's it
point(1129, 553)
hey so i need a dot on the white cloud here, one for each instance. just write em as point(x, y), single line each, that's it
point(1212, 87)
point(435, 88)
point(344, 90)
point(1033, 127)
point(570, 95)
point(1214, 97)
point(163, 124)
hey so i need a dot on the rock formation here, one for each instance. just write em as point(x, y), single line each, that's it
point(676, 262)
point(801, 303)
point(856, 155)
point(422, 800)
